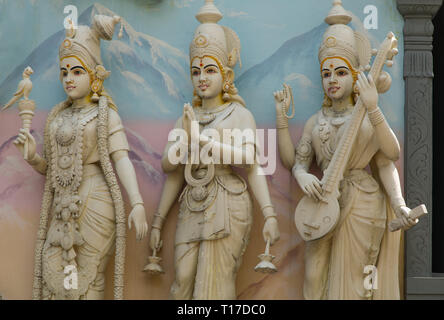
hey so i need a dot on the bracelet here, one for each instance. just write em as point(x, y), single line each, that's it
point(158, 221)
point(159, 216)
point(136, 199)
point(270, 216)
point(281, 122)
point(267, 206)
point(34, 161)
point(376, 117)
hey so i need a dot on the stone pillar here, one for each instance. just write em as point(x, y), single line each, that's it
point(418, 148)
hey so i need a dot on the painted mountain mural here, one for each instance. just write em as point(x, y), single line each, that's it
point(294, 63)
point(155, 74)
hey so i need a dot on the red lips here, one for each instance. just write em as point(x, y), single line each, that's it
point(333, 89)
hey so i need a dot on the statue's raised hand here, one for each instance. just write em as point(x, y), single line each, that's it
point(367, 91)
point(283, 100)
point(137, 216)
point(186, 120)
point(23, 137)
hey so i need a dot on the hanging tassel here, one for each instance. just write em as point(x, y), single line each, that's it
point(121, 30)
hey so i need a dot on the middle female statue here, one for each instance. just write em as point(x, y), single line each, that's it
point(215, 214)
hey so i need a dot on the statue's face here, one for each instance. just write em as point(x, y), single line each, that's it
point(75, 79)
point(337, 79)
point(207, 78)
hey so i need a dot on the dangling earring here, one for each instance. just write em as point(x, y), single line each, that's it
point(100, 74)
point(96, 87)
point(226, 90)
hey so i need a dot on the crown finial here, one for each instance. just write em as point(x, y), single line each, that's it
point(338, 15)
point(209, 13)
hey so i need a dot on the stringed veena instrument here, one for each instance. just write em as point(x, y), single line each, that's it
point(315, 219)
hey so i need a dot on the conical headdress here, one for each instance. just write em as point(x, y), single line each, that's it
point(84, 42)
point(341, 40)
point(211, 39)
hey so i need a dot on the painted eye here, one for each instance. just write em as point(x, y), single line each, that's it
point(342, 73)
point(77, 72)
point(64, 73)
point(211, 70)
point(326, 74)
point(195, 73)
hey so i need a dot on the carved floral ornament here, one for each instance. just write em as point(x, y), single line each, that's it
point(201, 41)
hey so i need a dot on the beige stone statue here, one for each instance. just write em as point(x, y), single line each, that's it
point(215, 214)
point(82, 217)
point(344, 216)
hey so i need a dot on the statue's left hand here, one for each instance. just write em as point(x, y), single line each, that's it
point(138, 217)
point(193, 125)
point(403, 213)
point(271, 230)
point(367, 91)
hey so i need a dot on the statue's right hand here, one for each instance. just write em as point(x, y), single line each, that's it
point(310, 185)
point(282, 99)
point(186, 119)
point(155, 242)
point(23, 137)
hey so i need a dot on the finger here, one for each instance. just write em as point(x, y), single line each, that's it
point(370, 80)
point(305, 189)
point(137, 231)
point(311, 192)
point(361, 79)
point(22, 136)
point(405, 222)
point(266, 236)
point(364, 79)
point(286, 92)
point(129, 223)
point(411, 222)
point(145, 229)
point(287, 88)
point(29, 135)
point(358, 84)
point(317, 185)
point(316, 192)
